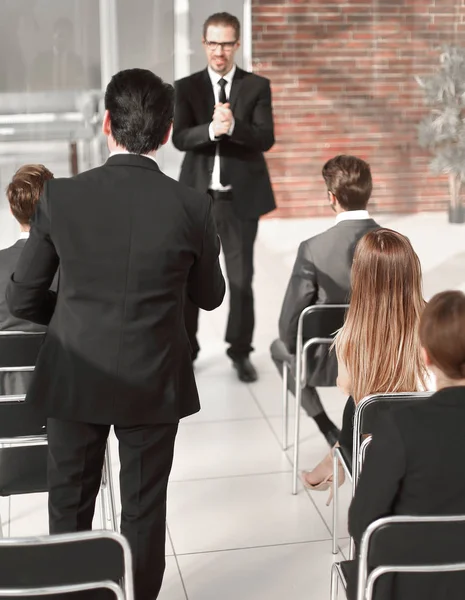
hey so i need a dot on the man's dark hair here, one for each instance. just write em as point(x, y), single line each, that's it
point(226, 20)
point(349, 179)
point(141, 107)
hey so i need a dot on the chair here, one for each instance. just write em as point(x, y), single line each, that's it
point(403, 544)
point(17, 349)
point(367, 412)
point(23, 436)
point(316, 327)
point(66, 563)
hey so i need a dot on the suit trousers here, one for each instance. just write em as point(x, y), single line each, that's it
point(237, 242)
point(76, 455)
point(311, 402)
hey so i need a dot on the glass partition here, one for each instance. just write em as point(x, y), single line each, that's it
point(57, 58)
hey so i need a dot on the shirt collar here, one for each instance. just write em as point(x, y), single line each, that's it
point(214, 77)
point(24, 235)
point(116, 152)
point(352, 215)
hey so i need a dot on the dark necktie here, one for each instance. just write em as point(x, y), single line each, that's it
point(222, 96)
point(224, 179)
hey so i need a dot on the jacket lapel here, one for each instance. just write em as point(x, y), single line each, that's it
point(208, 97)
point(236, 86)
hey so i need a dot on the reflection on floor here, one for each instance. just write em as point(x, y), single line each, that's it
point(234, 529)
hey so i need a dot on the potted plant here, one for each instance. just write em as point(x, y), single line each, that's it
point(443, 130)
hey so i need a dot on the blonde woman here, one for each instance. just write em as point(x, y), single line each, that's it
point(378, 348)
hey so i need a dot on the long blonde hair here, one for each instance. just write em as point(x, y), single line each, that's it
point(379, 342)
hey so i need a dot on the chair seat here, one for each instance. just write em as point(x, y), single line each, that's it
point(23, 470)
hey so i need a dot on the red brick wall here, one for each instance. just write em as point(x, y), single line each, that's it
point(342, 78)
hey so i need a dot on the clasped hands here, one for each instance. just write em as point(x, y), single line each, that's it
point(222, 119)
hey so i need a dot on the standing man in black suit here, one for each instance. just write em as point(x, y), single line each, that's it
point(321, 275)
point(131, 244)
point(224, 123)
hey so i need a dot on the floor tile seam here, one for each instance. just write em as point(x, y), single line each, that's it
point(257, 547)
point(216, 421)
point(235, 476)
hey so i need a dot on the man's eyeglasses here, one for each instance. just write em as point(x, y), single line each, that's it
point(224, 45)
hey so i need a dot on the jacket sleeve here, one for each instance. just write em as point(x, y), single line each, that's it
point(187, 134)
point(301, 292)
point(381, 478)
point(28, 295)
point(259, 134)
point(206, 286)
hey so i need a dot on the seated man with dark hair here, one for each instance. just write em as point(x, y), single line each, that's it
point(321, 275)
point(23, 194)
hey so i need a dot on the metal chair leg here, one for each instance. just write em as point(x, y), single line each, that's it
point(351, 549)
point(285, 407)
point(335, 501)
point(103, 509)
point(9, 516)
point(334, 583)
point(102, 498)
point(295, 468)
point(110, 490)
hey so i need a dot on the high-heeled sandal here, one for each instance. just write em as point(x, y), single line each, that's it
point(327, 482)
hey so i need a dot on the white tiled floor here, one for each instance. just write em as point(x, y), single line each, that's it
point(235, 530)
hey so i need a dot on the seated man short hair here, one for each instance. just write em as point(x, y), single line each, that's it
point(321, 275)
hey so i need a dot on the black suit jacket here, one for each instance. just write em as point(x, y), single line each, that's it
point(253, 134)
point(130, 243)
point(9, 258)
point(414, 466)
point(321, 275)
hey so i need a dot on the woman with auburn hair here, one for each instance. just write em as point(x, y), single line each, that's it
point(378, 348)
point(414, 464)
point(23, 193)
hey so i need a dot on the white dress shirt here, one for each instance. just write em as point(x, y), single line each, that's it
point(352, 215)
point(215, 183)
point(24, 235)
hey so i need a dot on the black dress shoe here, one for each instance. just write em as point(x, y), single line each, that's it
point(245, 369)
point(332, 436)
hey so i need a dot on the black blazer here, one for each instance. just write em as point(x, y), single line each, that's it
point(414, 466)
point(130, 243)
point(9, 258)
point(321, 275)
point(253, 134)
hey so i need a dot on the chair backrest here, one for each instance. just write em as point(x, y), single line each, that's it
point(19, 418)
point(316, 326)
point(407, 544)
point(67, 560)
point(19, 349)
point(23, 448)
point(369, 410)
point(322, 320)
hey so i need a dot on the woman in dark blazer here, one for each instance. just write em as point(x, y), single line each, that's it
point(414, 465)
